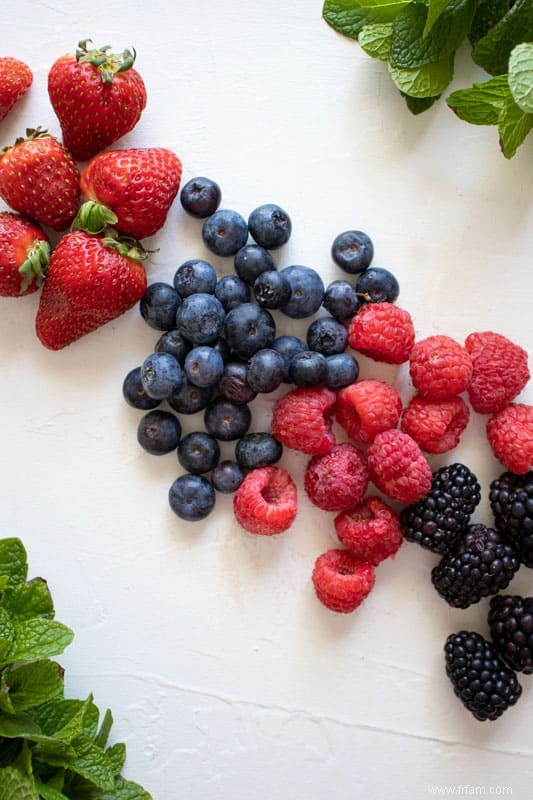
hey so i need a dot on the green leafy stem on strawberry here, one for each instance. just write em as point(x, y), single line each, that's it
point(108, 64)
point(34, 268)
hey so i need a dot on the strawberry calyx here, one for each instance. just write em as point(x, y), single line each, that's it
point(94, 217)
point(31, 135)
point(34, 268)
point(126, 246)
point(108, 64)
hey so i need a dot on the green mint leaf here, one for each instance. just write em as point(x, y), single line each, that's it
point(417, 105)
point(32, 685)
point(62, 719)
point(90, 763)
point(482, 103)
point(493, 50)
point(90, 722)
point(428, 81)
point(514, 125)
point(521, 76)
point(436, 7)
point(350, 16)
point(18, 726)
point(117, 756)
point(7, 633)
point(13, 561)
point(48, 792)
point(488, 13)
point(105, 729)
point(38, 638)
point(27, 600)
point(123, 790)
point(23, 761)
point(4, 580)
point(14, 786)
point(376, 39)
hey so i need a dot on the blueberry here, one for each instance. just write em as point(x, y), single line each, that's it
point(159, 305)
point(191, 497)
point(134, 393)
point(288, 347)
point(161, 375)
point(195, 276)
point(200, 197)
point(200, 318)
point(222, 348)
point(249, 328)
point(308, 369)
point(270, 226)
point(307, 291)
point(341, 300)
point(264, 371)
point(233, 384)
point(227, 477)
point(225, 420)
point(251, 261)
point(272, 289)
point(257, 450)
point(204, 366)
point(173, 342)
point(159, 432)
point(189, 398)
point(198, 452)
point(352, 251)
point(342, 370)
point(225, 232)
point(232, 291)
point(327, 336)
point(379, 285)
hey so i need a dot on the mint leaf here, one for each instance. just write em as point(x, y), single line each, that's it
point(27, 600)
point(18, 726)
point(349, 16)
point(514, 125)
point(427, 81)
point(48, 792)
point(105, 729)
point(90, 763)
point(14, 786)
point(123, 790)
point(117, 756)
point(493, 50)
point(32, 684)
point(488, 13)
point(7, 633)
point(521, 76)
point(13, 561)
point(376, 39)
point(38, 638)
point(436, 7)
point(482, 103)
point(62, 719)
point(417, 105)
point(4, 580)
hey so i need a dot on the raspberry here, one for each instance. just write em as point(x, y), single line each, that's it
point(500, 371)
point(510, 434)
point(265, 503)
point(302, 420)
point(436, 425)
point(398, 468)
point(383, 332)
point(341, 580)
point(440, 368)
point(337, 480)
point(370, 531)
point(367, 408)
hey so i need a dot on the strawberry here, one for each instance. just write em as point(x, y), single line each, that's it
point(24, 252)
point(130, 189)
point(39, 179)
point(97, 96)
point(15, 80)
point(90, 281)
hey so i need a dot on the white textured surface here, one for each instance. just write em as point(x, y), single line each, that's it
point(226, 677)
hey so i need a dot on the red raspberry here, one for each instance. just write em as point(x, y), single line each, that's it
point(367, 408)
point(398, 468)
point(342, 581)
point(302, 420)
point(383, 332)
point(510, 434)
point(371, 530)
point(436, 425)
point(266, 501)
point(500, 371)
point(440, 368)
point(337, 480)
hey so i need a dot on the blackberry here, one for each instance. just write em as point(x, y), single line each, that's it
point(437, 521)
point(511, 500)
point(511, 629)
point(482, 564)
point(480, 679)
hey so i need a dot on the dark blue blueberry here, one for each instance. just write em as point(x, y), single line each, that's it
point(352, 251)
point(343, 370)
point(200, 318)
point(309, 369)
point(222, 347)
point(264, 371)
point(232, 291)
point(270, 226)
point(191, 497)
point(307, 291)
point(327, 336)
point(233, 384)
point(379, 285)
point(159, 432)
point(189, 398)
point(341, 300)
point(225, 420)
point(249, 328)
point(225, 232)
point(288, 347)
point(204, 366)
point(200, 197)
point(195, 276)
point(227, 477)
point(159, 305)
point(198, 452)
point(173, 342)
point(134, 393)
point(161, 375)
point(251, 261)
point(272, 289)
point(257, 450)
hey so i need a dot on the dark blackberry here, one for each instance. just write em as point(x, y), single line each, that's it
point(481, 564)
point(511, 629)
point(511, 500)
point(437, 521)
point(480, 679)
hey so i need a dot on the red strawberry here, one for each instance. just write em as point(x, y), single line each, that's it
point(24, 252)
point(90, 281)
point(98, 97)
point(137, 186)
point(15, 80)
point(39, 179)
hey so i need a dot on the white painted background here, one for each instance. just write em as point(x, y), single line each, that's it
point(227, 679)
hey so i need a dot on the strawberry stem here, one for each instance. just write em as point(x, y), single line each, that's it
point(34, 268)
point(93, 218)
point(108, 64)
point(126, 246)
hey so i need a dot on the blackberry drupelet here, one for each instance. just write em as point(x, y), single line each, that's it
point(438, 520)
point(481, 564)
point(511, 500)
point(480, 679)
point(511, 629)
